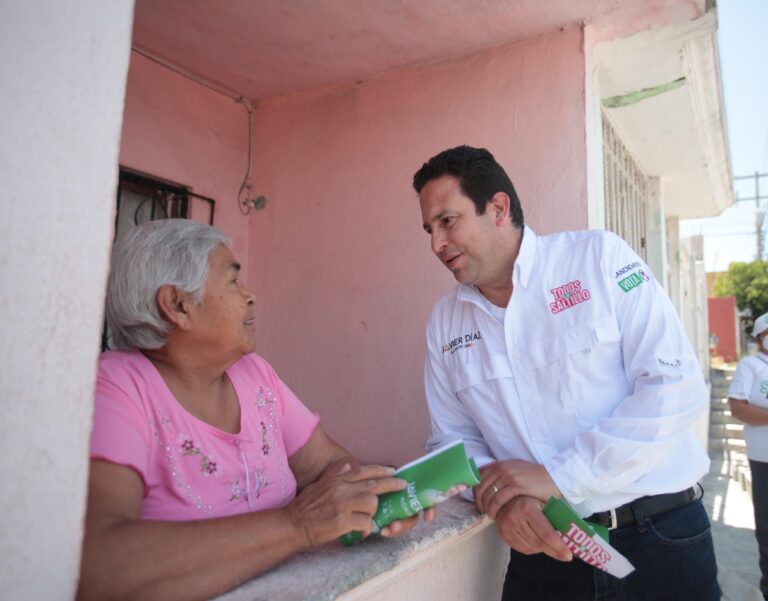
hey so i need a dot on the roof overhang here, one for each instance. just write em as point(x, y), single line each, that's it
point(661, 90)
point(265, 48)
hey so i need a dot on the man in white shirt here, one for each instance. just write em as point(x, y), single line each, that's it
point(564, 367)
point(748, 398)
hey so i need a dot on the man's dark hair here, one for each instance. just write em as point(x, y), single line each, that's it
point(479, 175)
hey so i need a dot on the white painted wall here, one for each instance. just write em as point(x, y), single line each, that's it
point(594, 134)
point(673, 259)
point(656, 231)
point(62, 84)
point(693, 310)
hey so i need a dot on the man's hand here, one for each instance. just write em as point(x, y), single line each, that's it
point(524, 527)
point(502, 481)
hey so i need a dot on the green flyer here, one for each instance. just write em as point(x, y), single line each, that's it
point(428, 477)
point(586, 541)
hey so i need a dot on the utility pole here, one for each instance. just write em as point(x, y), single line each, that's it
point(759, 210)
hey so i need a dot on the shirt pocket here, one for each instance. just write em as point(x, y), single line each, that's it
point(467, 374)
point(582, 369)
point(481, 386)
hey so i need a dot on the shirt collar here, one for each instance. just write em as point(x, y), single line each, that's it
point(523, 267)
point(525, 257)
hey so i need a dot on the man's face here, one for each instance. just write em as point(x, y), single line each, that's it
point(463, 240)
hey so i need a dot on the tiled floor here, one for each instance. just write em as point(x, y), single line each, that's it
point(733, 531)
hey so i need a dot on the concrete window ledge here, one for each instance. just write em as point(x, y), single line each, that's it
point(458, 556)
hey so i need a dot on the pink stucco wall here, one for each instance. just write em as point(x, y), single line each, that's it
point(179, 131)
point(341, 268)
point(339, 261)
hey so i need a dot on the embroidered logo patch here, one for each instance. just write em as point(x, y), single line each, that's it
point(465, 341)
point(633, 280)
point(567, 296)
point(669, 362)
point(764, 387)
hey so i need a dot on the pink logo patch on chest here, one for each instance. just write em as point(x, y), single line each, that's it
point(567, 296)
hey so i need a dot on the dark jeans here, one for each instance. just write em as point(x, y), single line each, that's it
point(760, 501)
point(672, 553)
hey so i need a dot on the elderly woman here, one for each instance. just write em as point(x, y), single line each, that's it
point(198, 448)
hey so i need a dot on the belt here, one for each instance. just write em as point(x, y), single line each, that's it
point(645, 506)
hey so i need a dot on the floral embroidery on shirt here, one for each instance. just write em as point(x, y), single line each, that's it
point(160, 432)
point(207, 466)
point(265, 396)
point(264, 442)
point(236, 491)
point(266, 401)
point(259, 483)
point(189, 448)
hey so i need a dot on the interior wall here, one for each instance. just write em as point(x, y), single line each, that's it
point(61, 101)
point(343, 271)
point(178, 130)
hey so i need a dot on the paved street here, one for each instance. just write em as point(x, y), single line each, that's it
point(733, 530)
point(727, 500)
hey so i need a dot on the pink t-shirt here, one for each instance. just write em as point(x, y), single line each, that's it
point(192, 470)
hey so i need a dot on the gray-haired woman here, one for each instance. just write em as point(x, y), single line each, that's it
point(198, 448)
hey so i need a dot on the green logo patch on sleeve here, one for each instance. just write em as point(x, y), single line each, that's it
point(633, 280)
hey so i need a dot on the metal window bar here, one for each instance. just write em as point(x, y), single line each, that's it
point(625, 192)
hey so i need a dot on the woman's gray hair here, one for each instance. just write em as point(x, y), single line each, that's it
point(152, 255)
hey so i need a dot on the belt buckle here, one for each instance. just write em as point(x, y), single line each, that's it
point(614, 520)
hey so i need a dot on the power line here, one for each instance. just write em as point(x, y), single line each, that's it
point(759, 210)
point(718, 235)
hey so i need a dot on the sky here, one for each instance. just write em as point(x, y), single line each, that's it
point(743, 41)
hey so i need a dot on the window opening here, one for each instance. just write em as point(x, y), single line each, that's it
point(142, 198)
point(626, 196)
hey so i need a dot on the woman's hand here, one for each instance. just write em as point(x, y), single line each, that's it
point(341, 500)
point(399, 527)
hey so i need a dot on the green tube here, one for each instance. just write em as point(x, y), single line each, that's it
point(428, 477)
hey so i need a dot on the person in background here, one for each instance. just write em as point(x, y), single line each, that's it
point(563, 365)
point(205, 468)
point(748, 398)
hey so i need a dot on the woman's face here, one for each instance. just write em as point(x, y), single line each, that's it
point(224, 321)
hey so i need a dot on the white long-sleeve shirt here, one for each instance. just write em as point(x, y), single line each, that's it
point(588, 372)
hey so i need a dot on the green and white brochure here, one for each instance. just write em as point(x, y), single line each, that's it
point(428, 477)
point(586, 541)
